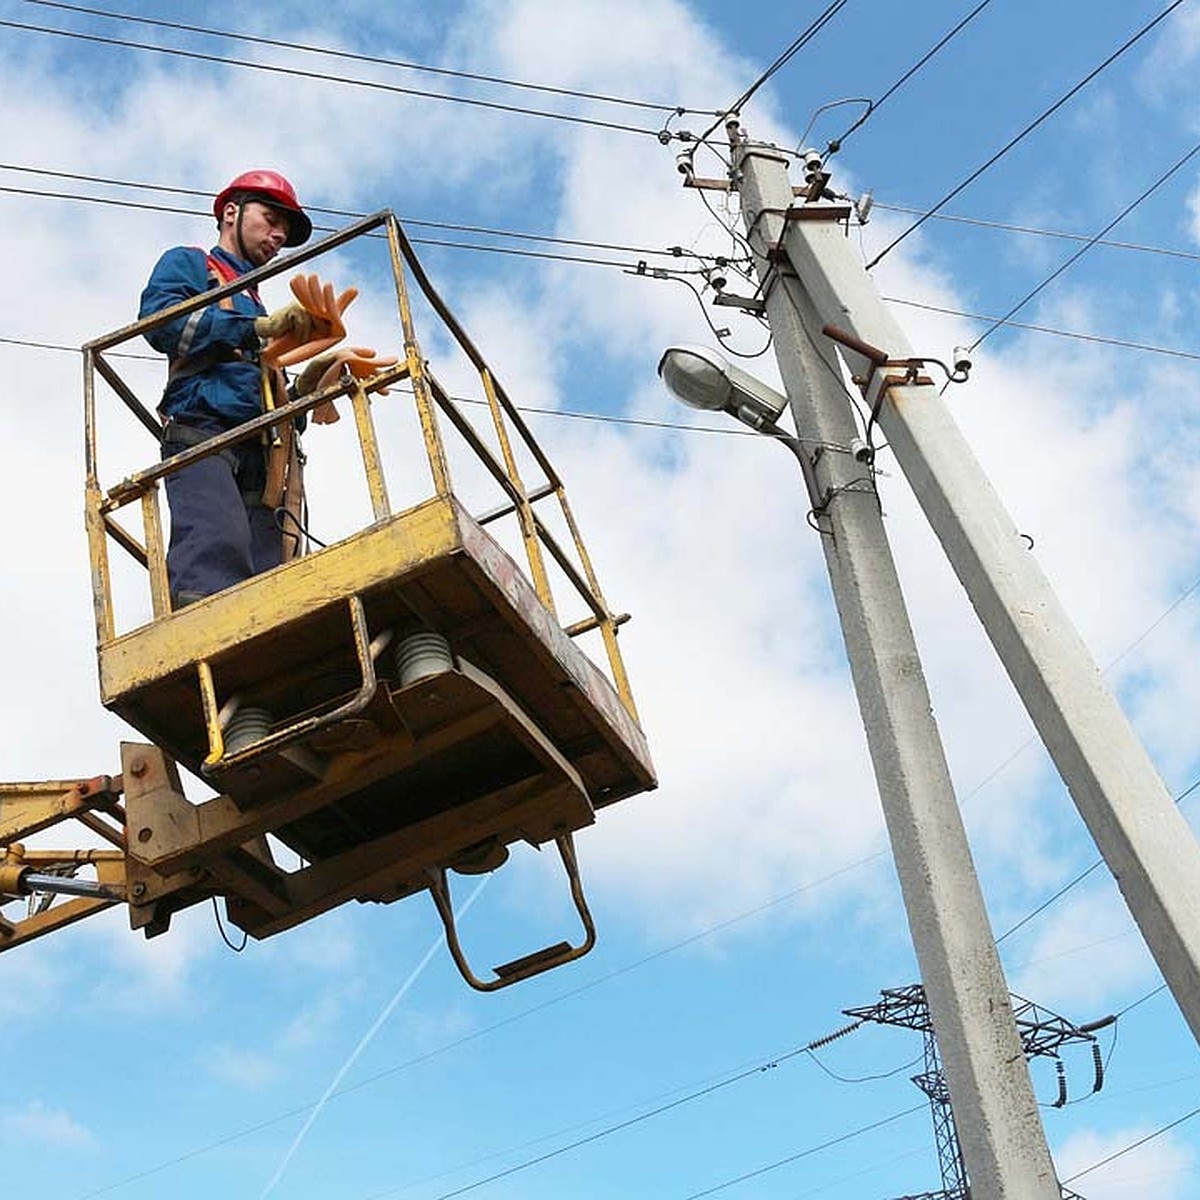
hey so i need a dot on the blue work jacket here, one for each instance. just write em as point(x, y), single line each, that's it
point(226, 389)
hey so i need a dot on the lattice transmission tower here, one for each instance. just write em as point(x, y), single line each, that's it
point(1043, 1034)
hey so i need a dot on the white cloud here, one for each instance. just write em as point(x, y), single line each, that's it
point(734, 654)
point(163, 970)
point(241, 1067)
point(45, 1126)
point(1086, 954)
point(1164, 1167)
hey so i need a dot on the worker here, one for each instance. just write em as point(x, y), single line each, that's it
point(221, 532)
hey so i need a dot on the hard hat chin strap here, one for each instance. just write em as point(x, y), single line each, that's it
point(237, 232)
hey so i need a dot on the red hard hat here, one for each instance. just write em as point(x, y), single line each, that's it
point(276, 191)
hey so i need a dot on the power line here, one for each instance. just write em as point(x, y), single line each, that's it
point(1008, 227)
point(797, 44)
point(792, 50)
point(351, 56)
point(370, 1080)
point(423, 223)
point(1062, 891)
point(1045, 115)
point(1073, 335)
point(300, 73)
point(673, 252)
point(601, 1133)
point(1149, 1137)
point(1163, 178)
point(873, 106)
point(419, 241)
point(791, 1158)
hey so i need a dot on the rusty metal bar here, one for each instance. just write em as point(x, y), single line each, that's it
point(156, 553)
point(250, 280)
point(132, 487)
point(434, 448)
point(139, 410)
point(533, 550)
point(369, 444)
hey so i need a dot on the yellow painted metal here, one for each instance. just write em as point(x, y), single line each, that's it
point(434, 449)
point(608, 627)
point(27, 809)
point(212, 716)
point(533, 548)
point(218, 624)
point(379, 781)
point(156, 553)
point(369, 441)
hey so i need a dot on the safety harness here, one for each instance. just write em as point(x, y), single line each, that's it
point(284, 488)
point(185, 363)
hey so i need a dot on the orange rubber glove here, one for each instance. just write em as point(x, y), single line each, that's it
point(325, 371)
point(302, 339)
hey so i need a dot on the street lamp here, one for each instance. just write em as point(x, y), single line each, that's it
point(702, 378)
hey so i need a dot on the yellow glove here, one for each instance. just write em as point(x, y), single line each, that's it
point(325, 371)
point(293, 319)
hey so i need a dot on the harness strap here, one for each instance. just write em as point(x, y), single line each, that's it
point(184, 363)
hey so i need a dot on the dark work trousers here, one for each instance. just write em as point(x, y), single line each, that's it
point(221, 533)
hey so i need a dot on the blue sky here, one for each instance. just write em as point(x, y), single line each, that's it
point(750, 899)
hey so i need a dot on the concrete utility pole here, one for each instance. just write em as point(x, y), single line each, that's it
point(1138, 829)
point(992, 1098)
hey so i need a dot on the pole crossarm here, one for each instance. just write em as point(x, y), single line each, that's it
point(1042, 1033)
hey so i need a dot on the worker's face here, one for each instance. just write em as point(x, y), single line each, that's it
point(264, 230)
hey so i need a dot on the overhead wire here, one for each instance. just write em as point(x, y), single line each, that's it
point(873, 106)
point(807, 1049)
point(1051, 331)
point(1078, 879)
point(1127, 45)
point(591, 415)
point(1134, 1145)
point(324, 77)
point(599, 1134)
point(595, 416)
point(351, 214)
point(797, 44)
point(1065, 235)
point(352, 56)
point(805, 1153)
point(1074, 258)
point(674, 252)
point(475, 1035)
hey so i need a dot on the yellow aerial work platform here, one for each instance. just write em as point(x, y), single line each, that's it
point(399, 703)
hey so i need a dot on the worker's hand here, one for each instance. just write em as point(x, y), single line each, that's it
point(326, 371)
point(324, 312)
point(310, 379)
point(293, 321)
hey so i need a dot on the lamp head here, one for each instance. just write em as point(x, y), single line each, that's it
point(702, 378)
